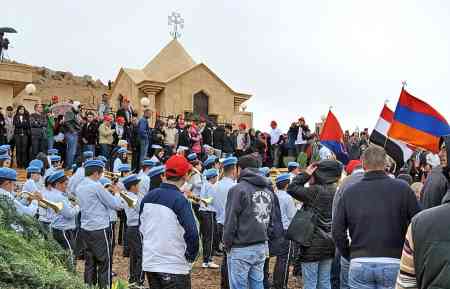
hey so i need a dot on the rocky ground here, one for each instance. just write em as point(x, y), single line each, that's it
point(201, 278)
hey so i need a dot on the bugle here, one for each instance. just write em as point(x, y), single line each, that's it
point(114, 177)
point(129, 200)
point(46, 204)
point(197, 200)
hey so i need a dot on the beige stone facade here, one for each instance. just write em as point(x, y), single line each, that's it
point(175, 84)
point(13, 79)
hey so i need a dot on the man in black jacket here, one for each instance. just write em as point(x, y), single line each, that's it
point(376, 212)
point(89, 133)
point(248, 215)
point(38, 123)
point(436, 184)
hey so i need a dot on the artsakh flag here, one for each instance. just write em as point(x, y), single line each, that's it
point(397, 150)
point(417, 123)
point(332, 137)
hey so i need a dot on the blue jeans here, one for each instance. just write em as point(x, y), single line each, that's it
point(143, 150)
point(316, 275)
point(345, 266)
point(71, 148)
point(50, 142)
point(370, 275)
point(89, 148)
point(246, 267)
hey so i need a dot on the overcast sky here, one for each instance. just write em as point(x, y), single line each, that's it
point(297, 58)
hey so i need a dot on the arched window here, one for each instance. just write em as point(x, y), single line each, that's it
point(201, 104)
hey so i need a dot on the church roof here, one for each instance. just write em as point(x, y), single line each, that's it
point(170, 61)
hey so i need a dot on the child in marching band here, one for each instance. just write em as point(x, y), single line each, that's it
point(122, 158)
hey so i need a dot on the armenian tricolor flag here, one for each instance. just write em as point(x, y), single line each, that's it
point(332, 137)
point(417, 123)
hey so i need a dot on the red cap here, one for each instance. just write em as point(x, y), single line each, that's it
point(242, 126)
point(351, 166)
point(120, 120)
point(55, 98)
point(107, 118)
point(177, 166)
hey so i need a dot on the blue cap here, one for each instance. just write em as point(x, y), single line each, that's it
point(192, 157)
point(33, 170)
point(4, 148)
point(102, 158)
point(149, 163)
point(55, 158)
point(156, 146)
point(210, 160)
point(124, 168)
point(37, 163)
point(130, 179)
point(8, 174)
point(94, 163)
point(122, 151)
point(282, 177)
point(229, 161)
point(211, 173)
point(4, 157)
point(293, 165)
point(52, 151)
point(155, 171)
point(105, 181)
point(56, 176)
point(88, 154)
point(264, 171)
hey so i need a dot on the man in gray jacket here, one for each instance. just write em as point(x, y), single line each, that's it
point(248, 214)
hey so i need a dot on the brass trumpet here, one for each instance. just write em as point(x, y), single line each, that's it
point(114, 177)
point(46, 204)
point(197, 200)
point(130, 201)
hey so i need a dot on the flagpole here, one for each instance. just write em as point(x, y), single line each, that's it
point(387, 137)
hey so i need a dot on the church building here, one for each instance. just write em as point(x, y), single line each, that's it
point(175, 84)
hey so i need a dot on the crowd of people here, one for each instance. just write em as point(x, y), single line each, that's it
point(192, 185)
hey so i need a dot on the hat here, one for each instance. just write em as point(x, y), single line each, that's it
point(55, 158)
point(102, 158)
point(210, 160)
point(8, 174)
point(264, 171)
point(88, 154)
point(5, 147)
point(230, 161)
point(4, 157)
point(293, 165)
point(192, 157)
point(124, 168)
point(282, 177)
point(36, 163)
point(122, 151)
point(57, 177)
point(211, 173)
point(328, 172)
point(156, 146)
point(94, 163)
point(351, 166)
point(149, 163)
point(105, 181)
point(52, 151)
point(33, 170)
point(107, 118)
point(130, 179)
point(242, 126)
point(177, 166)
point(155, 171)
point(120, 120)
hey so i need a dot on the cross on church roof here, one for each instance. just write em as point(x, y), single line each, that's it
point(176, 23)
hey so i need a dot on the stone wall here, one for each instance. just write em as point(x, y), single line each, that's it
point(65, 85)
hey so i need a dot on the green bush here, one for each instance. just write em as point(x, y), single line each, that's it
point(29, 258)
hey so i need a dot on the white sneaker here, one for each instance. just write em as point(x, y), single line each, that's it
point(205, 265)
point(212, 265)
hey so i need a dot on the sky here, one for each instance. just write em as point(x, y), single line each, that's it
point(297, 58)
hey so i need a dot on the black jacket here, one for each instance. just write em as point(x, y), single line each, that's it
point(249, 210)
point(218, 138)
point(434, 189)
point(90, 133)
point(229, 143)
point(183, 138)
point(320, 199)
point(21, 127)
point(376, 211)
point(38, 125)
point(430, 230)
point(207, 136)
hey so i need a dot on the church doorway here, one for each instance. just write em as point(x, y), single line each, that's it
point(201, 104)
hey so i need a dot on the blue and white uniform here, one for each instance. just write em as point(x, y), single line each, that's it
point(287, 207)
point(75, 180)
point(22, 209)
point(222, 189)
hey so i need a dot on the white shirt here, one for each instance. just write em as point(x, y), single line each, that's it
point(300, 139)
point(117, 163)
point(275, 136)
